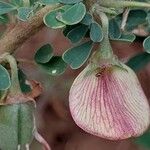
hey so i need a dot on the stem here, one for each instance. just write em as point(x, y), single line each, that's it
point(106, 50)
point(22, 31)
point(125, 18)
point(122, 4)
point(15, 85)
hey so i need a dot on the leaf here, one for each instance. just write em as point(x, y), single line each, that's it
point(146, 44)
point(88, 19)
point(144, 140)
point(78, 55)
point(4, 19)
point(24, 13)
point(70, 1)
point(77, 34)
point(135, 18)
point(148, 17)
point(5, 81)
point(68, 28)
point(16, 126)
point(126, 38)
point(96, 33)
point(25, 88)
point(48, 2)
point(50, 18)
point(17, 2)
point(32, 2)
point(73, 15)
point(44, 54)
point(114, 30)
point(139, 61)
point(56, 66)
point(6, 7)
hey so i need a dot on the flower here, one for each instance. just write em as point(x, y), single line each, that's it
point(109, 102)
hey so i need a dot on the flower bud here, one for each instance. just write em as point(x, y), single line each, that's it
point(109, 102)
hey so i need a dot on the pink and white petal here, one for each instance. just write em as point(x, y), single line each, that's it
point(111, 105)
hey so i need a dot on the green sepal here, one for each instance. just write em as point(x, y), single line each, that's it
point(16, 125)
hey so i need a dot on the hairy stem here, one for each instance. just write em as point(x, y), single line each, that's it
point(105, 49)
point(15, 85)
point(23, 30)
point(123, 4)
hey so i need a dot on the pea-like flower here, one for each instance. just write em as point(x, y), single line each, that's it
point(109, 102)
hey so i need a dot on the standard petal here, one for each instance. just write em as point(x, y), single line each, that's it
point(111, 105)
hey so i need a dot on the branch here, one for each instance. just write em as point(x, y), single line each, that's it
point(23, 30)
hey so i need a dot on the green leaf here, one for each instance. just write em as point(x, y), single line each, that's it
point(24, 13)
point(32, 2)
point(56, 66)
point(5, 81)
point(50, 18)
point(77, 33)
point(6, 7)
point(139, 61)
point(135, 18)
point(144, 140)
point(114, 30)
point(73, 15)
point(146, 44)
point(44, 54)
point(88, 19)
point(48, 2)
point(70, 1)
point(4, 19)
point(17, 2)
point(148, 17)
point(126, 38)
point(68, 28)
point(96, 33)
point(78, 55)
point(25, 88)
point(16, 125)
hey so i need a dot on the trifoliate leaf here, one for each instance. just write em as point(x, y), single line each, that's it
point(56, 66)
point(88, 19)
point(44, 54)
point(146, 44)
point(114, 30)
point(96, 33)
point(73, 15)
point(126, 38)
point(139, 61)
point(24, 13)
point(50, 18)
point(77, 33)
point(78, 55)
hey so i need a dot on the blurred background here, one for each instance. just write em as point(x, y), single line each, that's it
point(52, 115)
